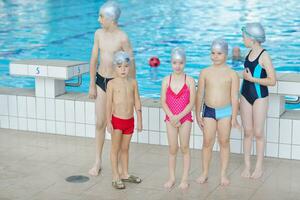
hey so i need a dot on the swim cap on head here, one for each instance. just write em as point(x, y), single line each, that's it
point(178, 54)
point(120, 57)
point(220, 45)
point(255, 31)
point(110, 10)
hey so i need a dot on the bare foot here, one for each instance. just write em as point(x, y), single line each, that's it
point(95, 170)
point(169, 184)
point(257, 173)
point(246, 173)
point(184, 185)
point(202, 179)
point(224, 181)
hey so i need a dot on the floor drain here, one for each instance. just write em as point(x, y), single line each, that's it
point(77, 179)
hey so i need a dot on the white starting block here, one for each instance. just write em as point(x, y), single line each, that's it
point(50, 75)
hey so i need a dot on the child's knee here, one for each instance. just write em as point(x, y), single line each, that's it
point(224, 143)
point(173, 150)
point(258, 134)
point(248, 132)
point(100, 125)
point(184, 149)
point(208, 143)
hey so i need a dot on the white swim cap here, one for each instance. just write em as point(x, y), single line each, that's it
point(220, 45)
point(110, 10)
point(120, 57)
point(255, 31)
point(178, 54)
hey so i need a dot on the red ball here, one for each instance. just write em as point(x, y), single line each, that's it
point(154, 62)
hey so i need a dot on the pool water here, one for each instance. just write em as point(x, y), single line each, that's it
point(64, 30)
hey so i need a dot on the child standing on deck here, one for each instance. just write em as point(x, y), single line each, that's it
point(107, 41)
point(177, 99)
point(218, 88)
point(122, 98)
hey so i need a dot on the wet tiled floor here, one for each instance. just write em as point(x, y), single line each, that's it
point(34, 166)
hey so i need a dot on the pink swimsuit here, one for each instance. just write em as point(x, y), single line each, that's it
point(178, 102)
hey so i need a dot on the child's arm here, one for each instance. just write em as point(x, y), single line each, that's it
point(93, 67)
point(138, 107)
point(126, 46)
point(199, 97)
point(109, 101)
point(268, 66)
point(189, 107)
point(235, 84)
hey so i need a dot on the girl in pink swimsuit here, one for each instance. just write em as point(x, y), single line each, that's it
point(177, 99)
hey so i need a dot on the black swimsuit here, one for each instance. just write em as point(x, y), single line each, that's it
point(102, 81)
point(252, 91)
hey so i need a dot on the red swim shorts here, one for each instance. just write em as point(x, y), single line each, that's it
point(125, 125)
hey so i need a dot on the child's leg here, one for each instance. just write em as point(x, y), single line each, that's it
point(172, 133)
point(116, 141)
point(247, 122)
point(224, 127)
point(184, 136)
point(209, 136)
point(260, 109)
point(124, 155)
point(100, 107)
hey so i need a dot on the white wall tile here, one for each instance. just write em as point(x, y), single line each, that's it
point(236, 134)
point(50, 109)
point(80, 130)
point(90, 113)
point(143, 137)
point(32, 125)
point(276, 105)
point(107, 135)
point(191, 143)
point(41, 125)
point(4, 105)
point(162, 122)
point(70, 128)
point(290, 88)
point(22, 124)
point(145, 116)
point(31, 107)
point(60, 128)
point(34, 70)
point(235, 146)
point(40, 87)
point(12, 105)
point(198, 141)
point(285, 151)
point(296, 132)
point(22, 106)
point(154, 119)
point(272, 150)
point(90, 130)
point(285, 131)
point(4, 121)
point(216, 146)
point(134, 136)
point(272, 130)
point(59, 110)
point(79, 112)
point(296, 152)
point(197, 130)
point(50, 126)
point(153, 137)
point(13, 122)
point(40, 108)
point(18, 69)
point(163, 138)
point(70, 110)
point(253, 147)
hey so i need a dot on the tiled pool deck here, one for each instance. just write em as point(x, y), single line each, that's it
point(33, 166)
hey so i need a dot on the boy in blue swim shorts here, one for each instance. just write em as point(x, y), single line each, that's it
point(217, 99)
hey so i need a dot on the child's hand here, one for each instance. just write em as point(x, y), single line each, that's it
point(92, 91)
point(235, 124)
point(247, 75)
point(200, 122)
point(109, 127)
point(139, 127)
point(175, 120)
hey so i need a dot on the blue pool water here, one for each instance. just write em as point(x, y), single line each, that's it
point(63, 30)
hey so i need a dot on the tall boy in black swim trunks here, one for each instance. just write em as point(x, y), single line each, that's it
point(107, 41)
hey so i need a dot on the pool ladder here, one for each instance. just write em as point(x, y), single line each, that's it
point(76, 84)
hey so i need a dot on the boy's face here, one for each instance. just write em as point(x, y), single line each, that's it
point(218, 57)
point(247, 41)
point(178, 65)
point(105, 23)
point(122, 69)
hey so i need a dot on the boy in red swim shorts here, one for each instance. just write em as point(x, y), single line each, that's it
point(122, 98)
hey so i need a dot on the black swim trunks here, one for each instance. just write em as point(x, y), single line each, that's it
point(102, 81)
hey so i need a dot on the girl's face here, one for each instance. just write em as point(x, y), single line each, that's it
point(122, 70)
point(218, 57)
point(105, 23)
point(248, 42)
point(178, 65)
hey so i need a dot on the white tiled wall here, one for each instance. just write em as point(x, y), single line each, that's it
point(77, 118)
